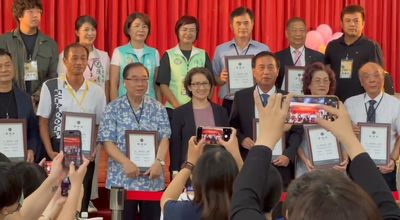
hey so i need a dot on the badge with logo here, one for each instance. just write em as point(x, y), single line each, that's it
point(177, 61)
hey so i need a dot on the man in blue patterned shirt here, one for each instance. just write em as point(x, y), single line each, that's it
point(139, 112)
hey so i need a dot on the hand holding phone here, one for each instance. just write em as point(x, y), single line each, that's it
point(72, 148)
point(211, 134)
point(306, 109)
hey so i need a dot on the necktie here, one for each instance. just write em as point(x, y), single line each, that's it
point(264, 99)
point(371, 112)
point(297, 58)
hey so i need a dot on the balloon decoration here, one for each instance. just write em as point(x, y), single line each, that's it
point(318, 39)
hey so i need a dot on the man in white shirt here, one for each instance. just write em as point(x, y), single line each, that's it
point(376, 106)
point(69, 93)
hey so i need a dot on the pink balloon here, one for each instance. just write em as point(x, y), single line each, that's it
point(325, 31)
point(314, 40)
point(335, 36)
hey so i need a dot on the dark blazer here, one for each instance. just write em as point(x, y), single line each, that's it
point(25, 111)
point(241, 118)
point(285, 59)
point(183, 128)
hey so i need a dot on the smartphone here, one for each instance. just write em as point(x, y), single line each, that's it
point(65, 185)
point(47, 167)
point(72, 148)
point(211, 134)
point(305, 110)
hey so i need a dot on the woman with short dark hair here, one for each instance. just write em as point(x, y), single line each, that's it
point(137, 29)
point(98, 66)
point(178, 61)
point(199, 111)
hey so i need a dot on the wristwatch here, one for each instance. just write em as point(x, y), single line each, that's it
point(161, 161)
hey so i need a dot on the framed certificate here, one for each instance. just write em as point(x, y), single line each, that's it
point(85, 123)
point(294, 79)
point(375, 138)
point(13, 138)
point(141, 148)
point(323, 147)
point(240, 72)
point(279, 147)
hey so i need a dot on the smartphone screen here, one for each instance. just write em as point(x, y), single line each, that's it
point(305, 110)
point(211, 134)
point(72, 148)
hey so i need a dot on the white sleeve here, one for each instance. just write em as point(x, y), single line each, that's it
point(100, 106)
point(116, 58)
point(107, 66)
point(44, 106)
point(157, 58)
point(61, 67)
point(397, 120)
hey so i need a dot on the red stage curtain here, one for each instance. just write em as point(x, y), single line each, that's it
point(382, 21)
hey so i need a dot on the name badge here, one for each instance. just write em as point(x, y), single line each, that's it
point(31, 71)
point(183, 91)
point(346, 67)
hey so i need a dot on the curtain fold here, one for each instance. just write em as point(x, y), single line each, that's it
point(382, 21)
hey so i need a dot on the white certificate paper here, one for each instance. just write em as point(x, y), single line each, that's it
point(324, 147)
point(12, 140)
point(375, 142)
point(294, 80)
point(240, 72)
point(278, 149)
point(84, 125)
point(142, 149)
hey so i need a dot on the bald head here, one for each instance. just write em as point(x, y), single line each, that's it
point(372, 78)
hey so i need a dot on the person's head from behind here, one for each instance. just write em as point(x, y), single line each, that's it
point(295, 32)
point(187, 29)
point(212, 180)
point(372, 78)
point(352, 20)
point(27, 13)
point(10, 190)
point(4, 158)
point(319, 79)
point(32, 176)
point(6, 67)
point(328, 195)
point(198, 83)
point(242, 23)
point(85, 30)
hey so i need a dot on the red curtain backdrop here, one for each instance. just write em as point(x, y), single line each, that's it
point(382, 21)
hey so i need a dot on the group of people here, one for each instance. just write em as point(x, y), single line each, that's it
point(39, 85)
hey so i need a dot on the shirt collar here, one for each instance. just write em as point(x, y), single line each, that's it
point(233, 42)
point(301, 49)
point(341, 40)
point(139, 107)
point(269, 93)
point(367, 98)
point(83, 86)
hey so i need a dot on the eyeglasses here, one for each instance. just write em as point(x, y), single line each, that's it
point(138, 80)
point(198, 84)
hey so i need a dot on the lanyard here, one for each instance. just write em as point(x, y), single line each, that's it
point(72, 93)
point(365, 106)
point(133, 111)
point(245, 53)
point(90, 67)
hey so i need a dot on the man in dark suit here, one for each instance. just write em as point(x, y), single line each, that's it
point(265, 71)
point(296, 54)
point(16, 104)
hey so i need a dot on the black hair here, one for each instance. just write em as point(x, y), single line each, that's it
point(241, 11)
point(132, 17)
point(82, 20)
point(186, 19)
point(10, 185)
point(31, 175)
point(74, 45)
point(130, 66)
point(351, 9)
point(4, 52)
point(264, 54)
point(19, 6)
